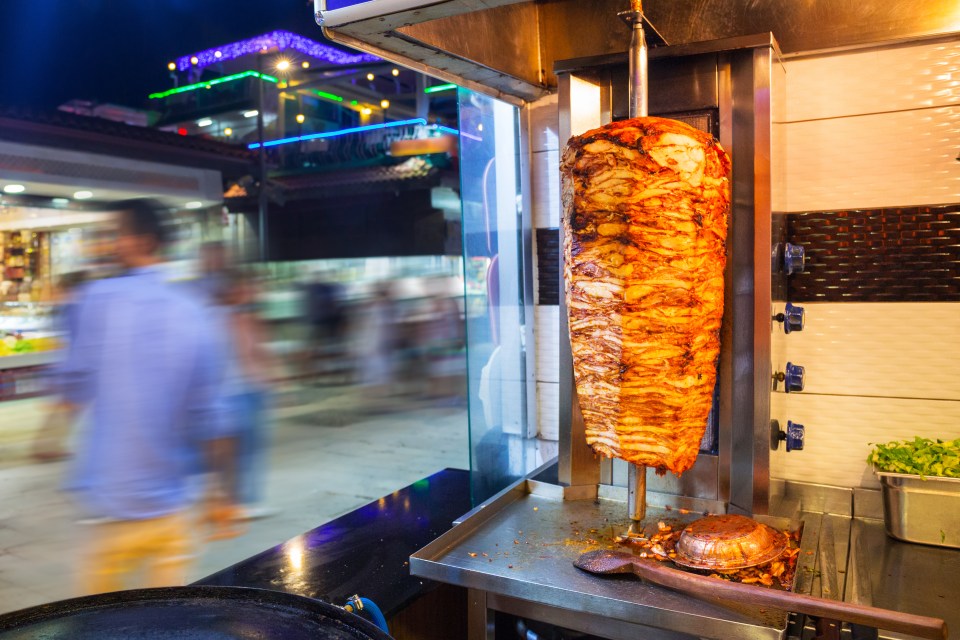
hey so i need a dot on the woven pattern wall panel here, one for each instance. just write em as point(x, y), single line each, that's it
point(905, 254)
point(548, 266)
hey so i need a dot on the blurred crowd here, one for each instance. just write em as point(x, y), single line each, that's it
point(163, 393)
point(398, 339)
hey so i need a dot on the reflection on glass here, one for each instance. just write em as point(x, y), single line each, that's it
point(501, 450)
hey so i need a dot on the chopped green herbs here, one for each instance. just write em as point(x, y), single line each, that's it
point(922, 456)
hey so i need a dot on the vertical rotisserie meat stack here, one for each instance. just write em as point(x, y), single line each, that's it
point(645, 220)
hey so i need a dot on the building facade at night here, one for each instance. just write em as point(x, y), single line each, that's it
point(349, 143)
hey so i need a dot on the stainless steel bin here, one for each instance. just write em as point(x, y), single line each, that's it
point(921, 509)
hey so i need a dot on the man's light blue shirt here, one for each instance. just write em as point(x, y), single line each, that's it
point(146, 361)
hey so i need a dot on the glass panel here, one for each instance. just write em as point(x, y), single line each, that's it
point(501, 449)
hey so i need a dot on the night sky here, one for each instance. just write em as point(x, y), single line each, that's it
point(117, 50)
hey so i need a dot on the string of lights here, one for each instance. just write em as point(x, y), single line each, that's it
point(281, 40)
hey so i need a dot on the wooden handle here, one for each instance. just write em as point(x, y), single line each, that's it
point(725, 591)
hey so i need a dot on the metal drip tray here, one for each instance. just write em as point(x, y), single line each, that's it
point(519, 549)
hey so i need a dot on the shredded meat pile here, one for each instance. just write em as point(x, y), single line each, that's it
point(645, 207)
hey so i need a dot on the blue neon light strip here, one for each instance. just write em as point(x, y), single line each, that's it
point(440, 127)
point(340, 132)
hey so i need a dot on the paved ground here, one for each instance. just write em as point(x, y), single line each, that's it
point(327, 457)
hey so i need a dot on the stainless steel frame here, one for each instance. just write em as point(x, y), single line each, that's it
point(735, 78)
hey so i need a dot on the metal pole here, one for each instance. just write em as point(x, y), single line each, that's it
point(423, 100)
point(638, 67)
point(637, 491)
point(637, 474)
point(262, 158)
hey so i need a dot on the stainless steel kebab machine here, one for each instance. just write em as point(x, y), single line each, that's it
point(728, 88)
point(515, 552)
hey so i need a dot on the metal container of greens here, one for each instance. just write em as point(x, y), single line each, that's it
point(924, 509)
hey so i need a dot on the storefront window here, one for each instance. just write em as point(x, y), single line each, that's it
point(493, 224)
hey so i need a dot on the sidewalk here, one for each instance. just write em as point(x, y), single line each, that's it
point(327, 458)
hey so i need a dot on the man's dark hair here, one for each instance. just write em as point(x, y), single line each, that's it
point(144, 217)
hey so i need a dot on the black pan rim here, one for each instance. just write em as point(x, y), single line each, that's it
point(17, 620)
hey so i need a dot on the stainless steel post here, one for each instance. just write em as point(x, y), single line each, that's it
point(637, 476)
point(638, 61)
point(637, 491)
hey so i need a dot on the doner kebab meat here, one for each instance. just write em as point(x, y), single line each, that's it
point(645, 208)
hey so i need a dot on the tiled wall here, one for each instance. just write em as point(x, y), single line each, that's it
point(877, 129)
point(543, 126)
point(875, 372)
point(862, 130)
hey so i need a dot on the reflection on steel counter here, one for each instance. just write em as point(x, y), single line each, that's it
point(883, 572)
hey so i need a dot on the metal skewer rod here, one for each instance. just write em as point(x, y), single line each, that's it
point(637, 492)
point(637, 476)
point(638, 62)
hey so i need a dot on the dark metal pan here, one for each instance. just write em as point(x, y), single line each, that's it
point(188, 613)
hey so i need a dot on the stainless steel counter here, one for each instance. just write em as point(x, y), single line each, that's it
point(515, 553)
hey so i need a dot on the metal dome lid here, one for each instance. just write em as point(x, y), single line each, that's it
point(727, 543)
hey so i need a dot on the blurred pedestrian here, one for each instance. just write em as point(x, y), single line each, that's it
point(249, 374)
point(444, 351)
point(50, 445)
point(146, 364)
point(214, 263)
point(375, 344)
point(327, 322)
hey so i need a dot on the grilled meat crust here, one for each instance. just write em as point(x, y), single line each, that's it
point(645, 221)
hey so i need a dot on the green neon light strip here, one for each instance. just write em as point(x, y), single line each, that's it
point(328, 96)
point(207, 85)
point(440, 87)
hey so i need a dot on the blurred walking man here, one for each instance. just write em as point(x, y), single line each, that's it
point(146, 364)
